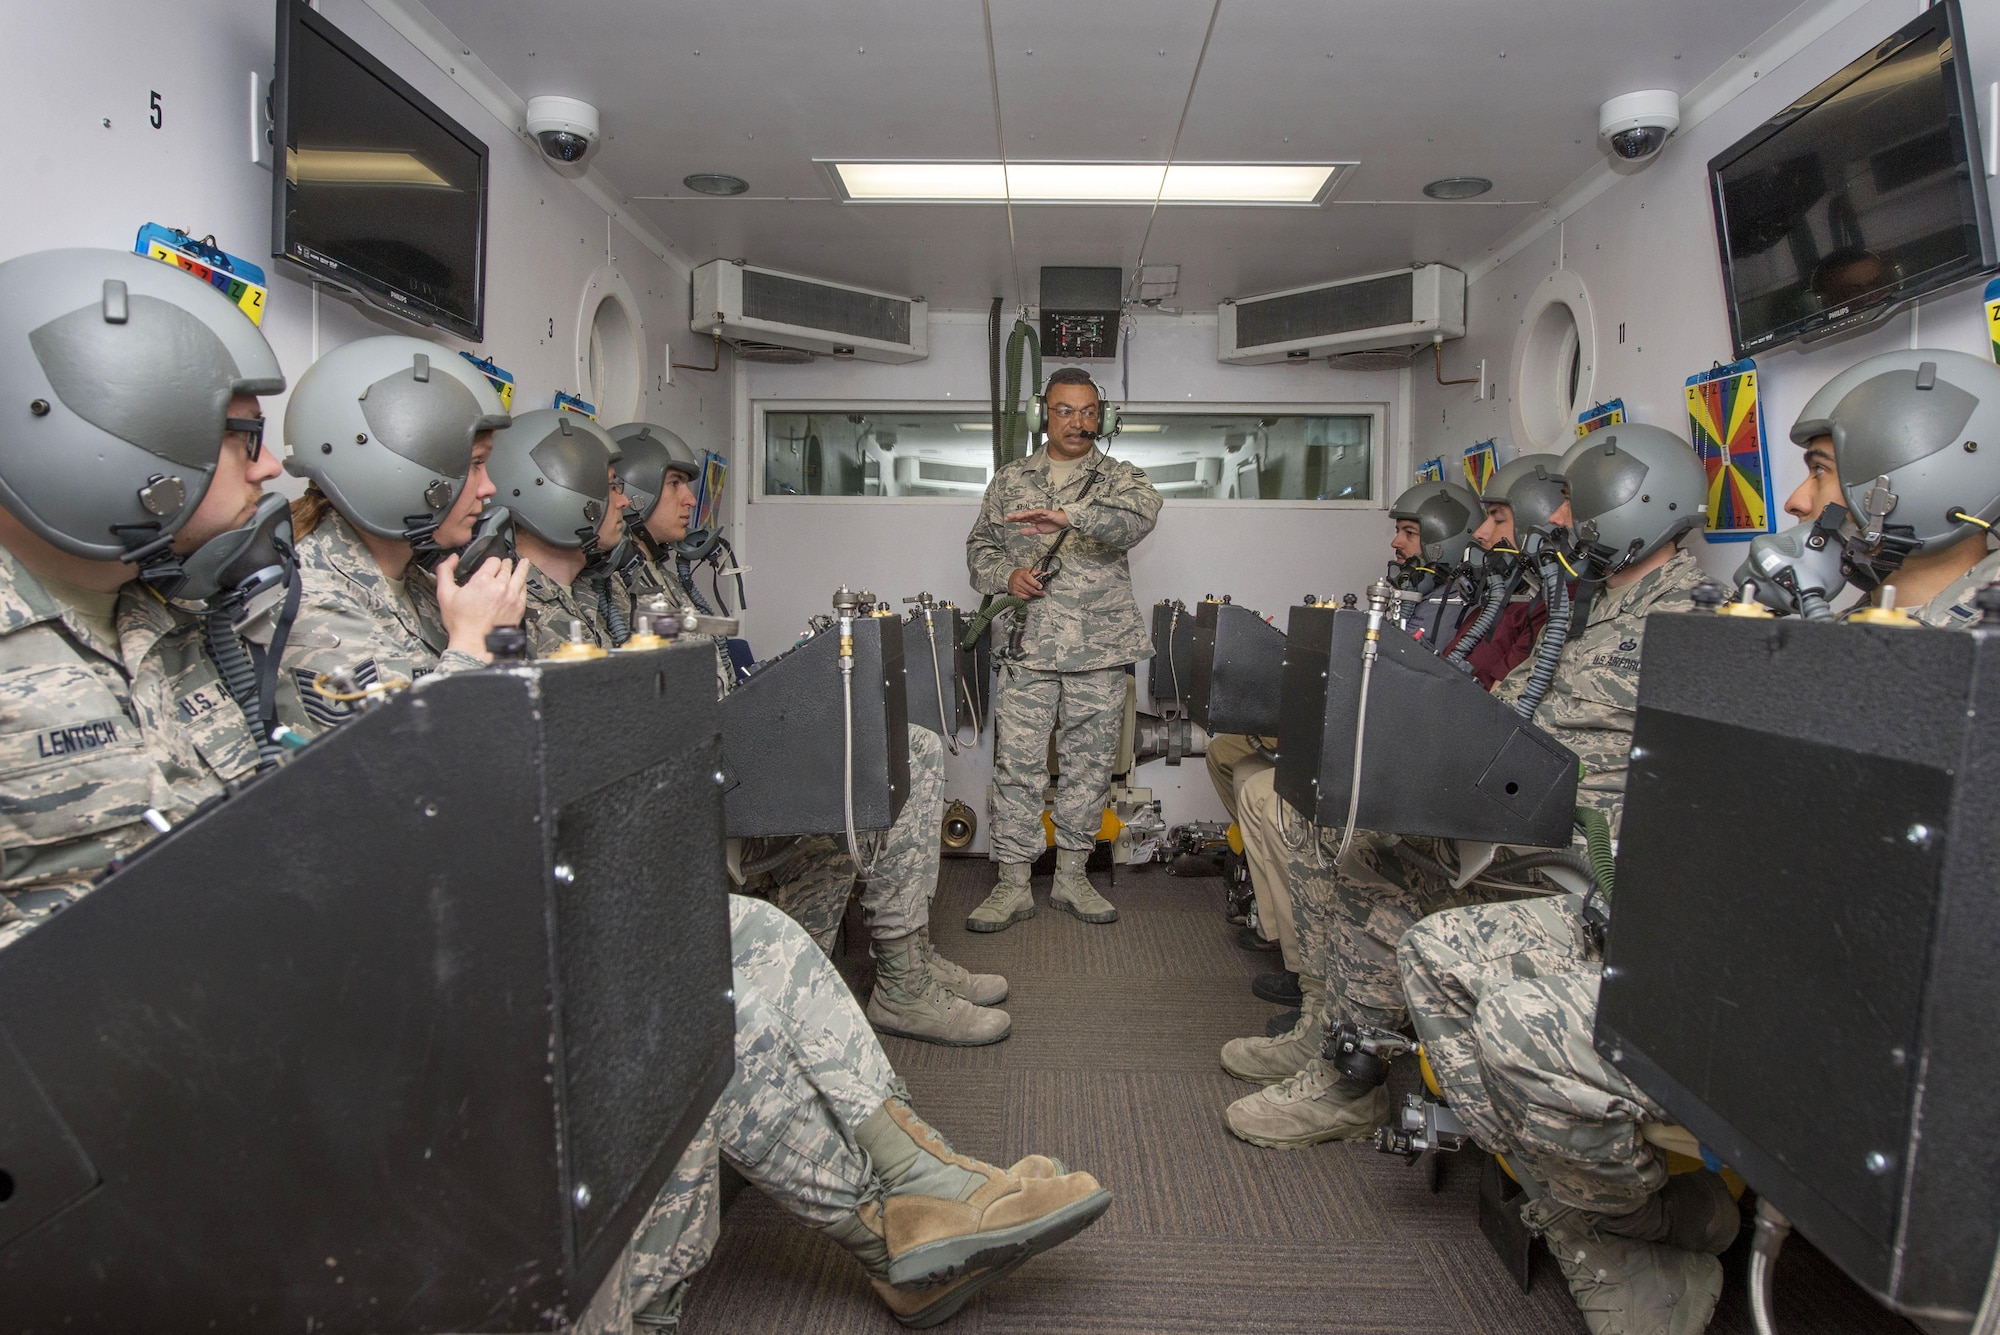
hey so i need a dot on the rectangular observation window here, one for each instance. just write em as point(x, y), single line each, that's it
point(1233, 454)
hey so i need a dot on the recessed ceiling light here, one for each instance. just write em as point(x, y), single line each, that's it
point(715, 183)
point(1458, 187)
point(1296, 183)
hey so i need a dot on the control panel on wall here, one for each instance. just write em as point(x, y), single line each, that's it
point(1080, 309)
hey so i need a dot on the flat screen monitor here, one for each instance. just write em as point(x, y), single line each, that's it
point(377, 191)
point(1860, 197)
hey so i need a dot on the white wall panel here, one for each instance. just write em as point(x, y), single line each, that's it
point(92, 169)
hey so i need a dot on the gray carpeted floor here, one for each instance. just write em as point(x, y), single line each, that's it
point(1112, 1068)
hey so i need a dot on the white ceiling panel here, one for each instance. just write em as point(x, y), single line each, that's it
point(1411, 92)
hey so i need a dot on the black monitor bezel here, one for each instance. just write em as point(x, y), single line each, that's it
point(377, 293)
point(1822, 326)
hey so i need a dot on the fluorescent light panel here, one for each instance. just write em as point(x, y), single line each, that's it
point(1085, 182)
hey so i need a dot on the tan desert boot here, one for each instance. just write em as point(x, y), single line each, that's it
point(1266, 1061)
point(910, 1002)
point(1011, 901)
point(981, 989)
point(1073, 892)
point(1314, 1105)
point(946, 1215)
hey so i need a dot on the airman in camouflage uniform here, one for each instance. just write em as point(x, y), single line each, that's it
point(1504, 997)
point(918, 993)
point(1362, 907)
point(818, 1119)
point(112, 717)
point(1082, 632)
point(95, 733)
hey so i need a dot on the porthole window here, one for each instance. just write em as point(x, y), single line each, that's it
point(1554, 363)
point(611, 349)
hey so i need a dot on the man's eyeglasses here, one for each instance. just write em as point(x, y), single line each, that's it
point(1064, 412)
point(252, 431)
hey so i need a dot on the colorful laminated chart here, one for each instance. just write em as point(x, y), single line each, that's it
point(708, 505)
point(234, 277)
point(1479, 467)
point(1432, 471)
point(502, 380)
point(1993, 316)
point(571, 403)
point(1726, 423)
point(1608, 413)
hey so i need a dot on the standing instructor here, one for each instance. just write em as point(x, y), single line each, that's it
point(1054, 529)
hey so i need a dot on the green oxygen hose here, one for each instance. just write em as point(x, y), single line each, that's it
point(989, 609)
point(1597, 842)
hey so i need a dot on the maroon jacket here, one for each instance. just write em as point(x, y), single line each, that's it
point(1509, 643)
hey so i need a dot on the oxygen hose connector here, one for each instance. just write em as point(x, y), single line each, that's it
point(847, 604)
point(1381, 594)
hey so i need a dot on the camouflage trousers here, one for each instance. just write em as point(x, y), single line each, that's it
point(808, 1072)
point(896, 900)
point(1351, 917)
point(1504, 997)
point(1085, 712)
point(1249, 778)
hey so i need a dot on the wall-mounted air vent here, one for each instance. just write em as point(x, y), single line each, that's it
point(764, 307)
point(1401, 309)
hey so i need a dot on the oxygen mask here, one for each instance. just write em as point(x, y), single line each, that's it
point(492, 537)
point(246, 570)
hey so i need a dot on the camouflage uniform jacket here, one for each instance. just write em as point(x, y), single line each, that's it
point(552, 606)
point(351, 616)
point(1953, 609)
point(93, 734)
point(1089, 618)
point(1591, 703)
point(649, 578)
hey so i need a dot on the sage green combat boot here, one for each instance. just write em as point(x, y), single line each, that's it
point(981, 989)
point(1011, 901)
point(910, 1002)
point(923, 1308)
point(1266, 1061)
point(1626, 1286)
point(1317, 1103)
point(1073, 892)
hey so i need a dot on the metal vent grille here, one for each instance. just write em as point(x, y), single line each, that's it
point(750, 350)
point(839, 310)
point(930, 471)
point(1185, 471)
point(1326, 311)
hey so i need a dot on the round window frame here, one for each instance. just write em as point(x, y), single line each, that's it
point(1542, 354)
point(616, 402)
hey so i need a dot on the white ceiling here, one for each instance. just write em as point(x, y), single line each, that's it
point(1413, 91)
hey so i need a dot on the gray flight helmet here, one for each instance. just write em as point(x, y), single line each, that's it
point(553, 471)
point(116, 373)
point(1532, 486)
point(385, 426)
point(1908, 429)
point(1445, 515)
point(1641, 486)
point(650, 453)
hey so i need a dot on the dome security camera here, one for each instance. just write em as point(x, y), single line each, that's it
point(1637, 126)
point(566, 130)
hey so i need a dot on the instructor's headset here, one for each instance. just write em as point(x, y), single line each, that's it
point(1108, 417)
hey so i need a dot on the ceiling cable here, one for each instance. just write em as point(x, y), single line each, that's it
point(1000, 132)
point(1174, 148)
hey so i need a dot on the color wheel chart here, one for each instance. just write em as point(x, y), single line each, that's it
point(1726, 423)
